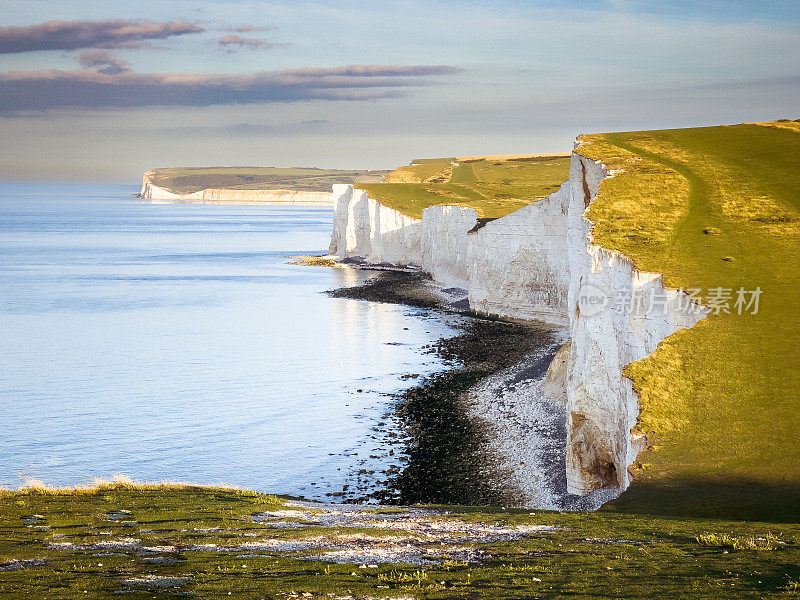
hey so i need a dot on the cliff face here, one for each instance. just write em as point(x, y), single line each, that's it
point(540, 263)
point(366, 229)
point(157, 194)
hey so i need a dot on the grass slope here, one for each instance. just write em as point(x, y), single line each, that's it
point(493, 187)
point(713, 207)
point(165, 542)
point(185, 180)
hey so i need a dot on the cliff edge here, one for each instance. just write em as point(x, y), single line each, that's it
point(540, 262)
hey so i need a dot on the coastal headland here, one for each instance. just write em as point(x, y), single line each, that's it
point(660, 255)
point(247, 185)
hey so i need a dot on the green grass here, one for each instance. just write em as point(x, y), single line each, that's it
point(494, 188)
point(185, 180)
point(431, 170)
point(713, 207)
point(790, 124)
point(464, 174)
point(593, 555)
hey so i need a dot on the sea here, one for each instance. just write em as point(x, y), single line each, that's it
point(177, 342)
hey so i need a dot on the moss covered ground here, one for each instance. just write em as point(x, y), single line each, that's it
point(121, 540)
point(185, 180)
point(716, 209)
point(494, 187)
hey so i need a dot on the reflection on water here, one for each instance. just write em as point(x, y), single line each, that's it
point(175, 342)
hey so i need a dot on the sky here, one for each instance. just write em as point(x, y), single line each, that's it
point(94, 90)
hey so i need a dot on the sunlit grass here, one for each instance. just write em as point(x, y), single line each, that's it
point(494, 188)
point(713, 207)
point(723, 540)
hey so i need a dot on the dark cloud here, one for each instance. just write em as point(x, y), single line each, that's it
point(22, 91)
point(252, 43)
point(104, 61)
point(71, 35)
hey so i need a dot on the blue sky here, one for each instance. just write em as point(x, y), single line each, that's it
point(434, 78)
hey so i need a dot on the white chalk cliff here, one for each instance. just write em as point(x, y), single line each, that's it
point(540, 263)
point(158, 195)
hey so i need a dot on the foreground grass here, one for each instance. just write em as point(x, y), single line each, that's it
point(493, 187)
point(185, 180)
point(714, 207)
point(161, 542)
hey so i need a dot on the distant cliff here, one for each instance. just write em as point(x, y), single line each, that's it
point(159, 195)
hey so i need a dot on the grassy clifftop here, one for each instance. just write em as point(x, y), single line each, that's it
point(715, 209)
point(493, 186)
point(186, 180)
point(170, 541)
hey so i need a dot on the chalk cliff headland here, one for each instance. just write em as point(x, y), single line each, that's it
point(540, 262)
point(158, 195)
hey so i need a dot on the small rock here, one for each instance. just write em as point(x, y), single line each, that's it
point(16, 565)
point(162, 560)
point(118, 515)
point(156, 582)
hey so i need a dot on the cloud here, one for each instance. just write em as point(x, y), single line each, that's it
point(761, 83)
point(72, 35)
point(251, 43)
point(25, 91)
point(245, 28)
point(104, 61)
point(377, 71)
point(251, 129)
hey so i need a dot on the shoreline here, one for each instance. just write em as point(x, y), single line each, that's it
point(528, 432)
point(471, 437)
point(236, 202)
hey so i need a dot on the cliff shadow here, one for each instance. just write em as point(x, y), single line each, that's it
point(717, 497)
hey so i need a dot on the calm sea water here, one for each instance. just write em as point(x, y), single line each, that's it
point(174, 342)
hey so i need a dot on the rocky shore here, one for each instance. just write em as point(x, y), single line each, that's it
point(479, 432)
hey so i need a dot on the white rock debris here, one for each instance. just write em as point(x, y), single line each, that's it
point(410, 535)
